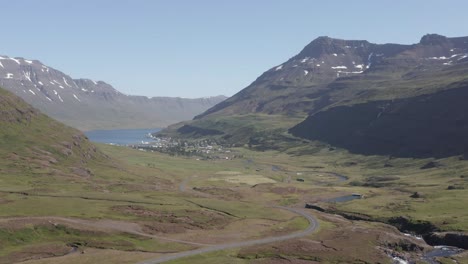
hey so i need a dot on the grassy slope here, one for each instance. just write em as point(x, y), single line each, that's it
point(33, 143)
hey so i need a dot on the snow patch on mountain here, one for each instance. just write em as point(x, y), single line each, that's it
point(58, 95)
point(339, 67)
point(438, 58)
point(15, 60)
point(65, 81)
point(27, 75)
point(369, 60)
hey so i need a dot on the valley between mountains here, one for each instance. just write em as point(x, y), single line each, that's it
point(349, 152)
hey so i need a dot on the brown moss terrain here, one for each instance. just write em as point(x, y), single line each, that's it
point(157, 221)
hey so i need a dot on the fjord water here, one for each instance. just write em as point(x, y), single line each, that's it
point(121, 136)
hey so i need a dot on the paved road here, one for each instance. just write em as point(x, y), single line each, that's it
point(313, 225)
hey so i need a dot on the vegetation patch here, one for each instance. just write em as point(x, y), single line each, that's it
point(174, 221)
point(227, 193)
point(238, 178)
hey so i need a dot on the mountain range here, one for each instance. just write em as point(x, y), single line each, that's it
point(88, 104)
point(385, 99)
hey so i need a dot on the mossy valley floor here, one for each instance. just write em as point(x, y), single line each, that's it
point(135, 205)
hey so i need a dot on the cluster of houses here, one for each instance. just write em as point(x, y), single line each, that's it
point(204, 149)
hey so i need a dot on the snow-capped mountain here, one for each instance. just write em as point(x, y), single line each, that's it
point(88, 104)
point(295, 86)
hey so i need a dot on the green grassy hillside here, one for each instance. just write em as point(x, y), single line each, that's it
point(34, 143)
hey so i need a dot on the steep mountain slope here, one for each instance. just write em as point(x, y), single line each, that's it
point(291, 87)
point(430, 125)
point(344, 87)
point(31, 142)
point(87, 104)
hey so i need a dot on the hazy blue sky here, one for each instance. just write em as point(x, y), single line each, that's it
point(204, 47)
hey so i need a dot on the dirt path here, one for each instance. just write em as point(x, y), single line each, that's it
point(313, 225)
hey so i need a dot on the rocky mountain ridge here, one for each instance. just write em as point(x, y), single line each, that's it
point(326, 60)
point(368, 98)
point(88, 104)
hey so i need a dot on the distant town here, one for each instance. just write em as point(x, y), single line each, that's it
point(202, 149)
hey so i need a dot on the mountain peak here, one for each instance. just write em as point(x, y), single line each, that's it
point(433, 39)
point(327, 45)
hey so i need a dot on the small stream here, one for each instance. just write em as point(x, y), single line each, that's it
point(341, 178)
point(440, 251)
point(430, 257)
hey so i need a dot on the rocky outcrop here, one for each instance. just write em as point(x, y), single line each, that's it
point(453, 239)
point(409, 225)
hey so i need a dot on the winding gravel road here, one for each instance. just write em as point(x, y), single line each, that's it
point(313, 225)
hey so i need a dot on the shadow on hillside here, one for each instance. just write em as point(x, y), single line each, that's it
point(434, 125)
